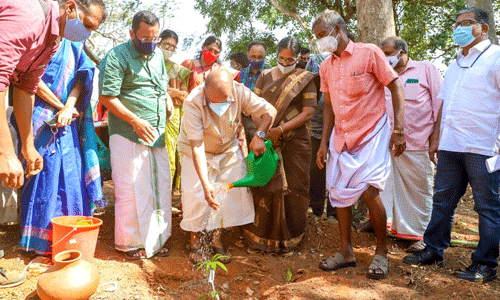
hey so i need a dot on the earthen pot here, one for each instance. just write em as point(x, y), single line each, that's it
point(70, 278)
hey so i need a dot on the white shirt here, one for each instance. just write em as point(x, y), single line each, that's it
point(471, 102)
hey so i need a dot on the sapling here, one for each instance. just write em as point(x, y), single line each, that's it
point(210, 266)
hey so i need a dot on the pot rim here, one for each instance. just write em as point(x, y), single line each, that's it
point(67, 256)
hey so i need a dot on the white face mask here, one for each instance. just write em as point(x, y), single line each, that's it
point(166, 53)
point(393, 60)
point(329, 43)
point(286, 70)
point(219, 108)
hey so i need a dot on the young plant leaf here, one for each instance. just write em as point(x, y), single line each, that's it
point(289, 275)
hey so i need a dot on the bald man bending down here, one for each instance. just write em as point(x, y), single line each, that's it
point(210, 153)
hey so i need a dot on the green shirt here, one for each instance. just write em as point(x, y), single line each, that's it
point(140, 83)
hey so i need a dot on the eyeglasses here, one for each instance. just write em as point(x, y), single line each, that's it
point(150, 40)
point(465, 23)
point(168, 46)
point(287, 62)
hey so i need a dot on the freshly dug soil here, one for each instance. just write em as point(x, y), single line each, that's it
point(264, 276)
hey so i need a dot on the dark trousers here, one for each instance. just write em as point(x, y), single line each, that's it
point(317, 184)
point(454, 171)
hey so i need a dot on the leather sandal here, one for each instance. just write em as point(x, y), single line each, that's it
point(378, 263)
point(336, 262)
point(132, 254)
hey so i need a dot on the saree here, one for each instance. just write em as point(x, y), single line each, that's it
point(70, 182)
point(181, 73)
point(281, 205)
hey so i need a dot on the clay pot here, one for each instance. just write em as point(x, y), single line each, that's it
point(70, 278)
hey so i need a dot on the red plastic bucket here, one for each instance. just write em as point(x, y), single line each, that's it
point(75, 233)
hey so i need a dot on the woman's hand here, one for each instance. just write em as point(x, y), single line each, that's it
point(65, 116)
point(177, 95)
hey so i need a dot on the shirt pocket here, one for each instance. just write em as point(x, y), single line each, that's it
point(412, 90)
point(356, 86)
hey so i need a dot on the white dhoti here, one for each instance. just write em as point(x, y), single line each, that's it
point(143, 203)
point(237, 209)
point(407, 196)
point(350, 173)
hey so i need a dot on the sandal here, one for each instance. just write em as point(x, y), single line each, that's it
point(378, 263)
point(163, 252)
point(133, 254)
point(416, 247)
point(196, 256)
point(336, 262)
point(11, 279)
point(226, 258)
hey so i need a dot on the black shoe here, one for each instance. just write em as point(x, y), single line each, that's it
point(424, 257)
point(478, 273)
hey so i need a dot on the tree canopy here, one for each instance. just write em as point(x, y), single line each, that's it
point(425, 24)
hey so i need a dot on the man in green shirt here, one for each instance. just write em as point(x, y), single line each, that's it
point(133, 86)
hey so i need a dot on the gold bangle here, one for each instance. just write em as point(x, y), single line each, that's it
point(398, 132)
point(281, 129)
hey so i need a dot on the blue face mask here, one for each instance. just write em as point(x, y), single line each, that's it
point(219, 108)
point(463, 36)
point(256, 64)
point(145, 48)
point(74, 30)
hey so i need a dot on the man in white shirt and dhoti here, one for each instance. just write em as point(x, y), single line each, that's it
point(210, 153)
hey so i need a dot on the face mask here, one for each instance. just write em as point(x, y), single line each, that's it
point(463, 36)
point(74, 30)
point(167, 53)
point(209, 56)
point(219, 108)
point(145, 48)
point(329, 43)
point(393, 60)
point(256, 64)
point(286, 70)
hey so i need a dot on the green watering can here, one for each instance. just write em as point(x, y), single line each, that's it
point(259, 169)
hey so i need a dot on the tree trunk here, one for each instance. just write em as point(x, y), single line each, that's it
point(375, 20)
point(302, 23)
point(487, 6)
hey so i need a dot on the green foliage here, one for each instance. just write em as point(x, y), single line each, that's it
point(289, 275)
point(212, 264)
point(212, 294)
point(247, 20)
point(427, 27)
point(424, 24)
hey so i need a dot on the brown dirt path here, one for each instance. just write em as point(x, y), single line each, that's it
point(264, 276)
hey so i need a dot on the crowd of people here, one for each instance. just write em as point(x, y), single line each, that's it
point(357, 121)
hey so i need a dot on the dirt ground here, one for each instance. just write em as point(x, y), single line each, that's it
point(264, 276)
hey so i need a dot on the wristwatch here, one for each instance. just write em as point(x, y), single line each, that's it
point(398, 132)
point(260, 134)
